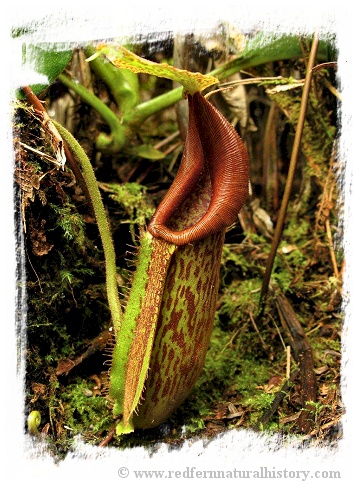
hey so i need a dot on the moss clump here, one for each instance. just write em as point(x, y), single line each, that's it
point(85, 413)
point(136, 208)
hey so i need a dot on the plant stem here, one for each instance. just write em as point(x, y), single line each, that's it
point(102, 223)
point(122, 83)
point(152, 106)
point(117, 138)
point(290, 175)
point(259, 50)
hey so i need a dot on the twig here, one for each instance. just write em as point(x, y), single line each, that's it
point(288, 361)
point(325, 65)
point(303, 356)
point(49, 158)
point(290, 175)
point(97, 344)
point(278, 332)
point(56, 139)
point(266, 417)
point(108, 438)
point(167, 140)
point(172, 148)
point(232, 84)
point(317, 431)
point(257, 331)
point(331, 248)
point(269, 158)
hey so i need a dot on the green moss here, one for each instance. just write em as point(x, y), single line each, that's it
point(85, 414)
point(229, 256)
point(318, 132)
point(71, 223)
point(296, 231)
point(230, 368)
point(133, 199)
point(258, 403)
point(238, 296)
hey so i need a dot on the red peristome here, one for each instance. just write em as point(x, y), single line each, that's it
point(213, 148)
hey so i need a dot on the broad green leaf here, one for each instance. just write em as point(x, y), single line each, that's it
point(123, 58)
point(49, 62)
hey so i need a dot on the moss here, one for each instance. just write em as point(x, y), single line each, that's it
point(85, 414)
point(318, 132)
point(71, 223)
point(133, 198)
point(231, 257)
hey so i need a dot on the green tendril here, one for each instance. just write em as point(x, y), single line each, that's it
point(102, 223)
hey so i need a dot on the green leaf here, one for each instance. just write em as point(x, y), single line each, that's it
point(123, 58)
point(49, 62)
point(147, 152)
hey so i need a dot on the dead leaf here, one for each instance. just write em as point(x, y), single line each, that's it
point(40, 245)
point(27, 178)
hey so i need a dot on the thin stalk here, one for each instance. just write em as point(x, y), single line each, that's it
point(122, 83)
point(290, 175)
point(144, 110)
point(117, 138)
point(89, 183)
point(102, 223)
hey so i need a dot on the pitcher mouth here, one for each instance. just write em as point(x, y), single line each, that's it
point(214, 157)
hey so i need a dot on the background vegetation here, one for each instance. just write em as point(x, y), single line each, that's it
point(132, 128)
